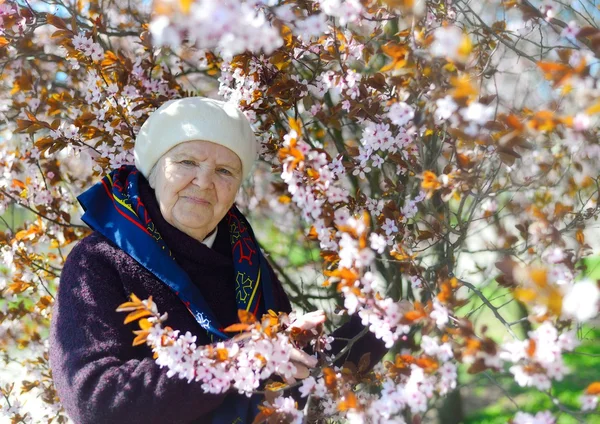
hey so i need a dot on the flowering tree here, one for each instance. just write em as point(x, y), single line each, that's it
point(427, 151)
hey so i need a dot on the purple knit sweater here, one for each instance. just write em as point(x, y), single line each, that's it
point(100, 377)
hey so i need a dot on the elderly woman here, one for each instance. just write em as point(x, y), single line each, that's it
point(166, 228)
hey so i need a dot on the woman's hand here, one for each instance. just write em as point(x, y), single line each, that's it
point(310, 320)
point(300, 359)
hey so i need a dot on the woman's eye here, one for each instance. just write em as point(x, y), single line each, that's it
point(224, 171)
point(188, 162)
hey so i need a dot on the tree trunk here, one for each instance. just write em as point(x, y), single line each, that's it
point(451, 411)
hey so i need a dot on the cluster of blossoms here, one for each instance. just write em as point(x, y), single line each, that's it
point(262, 349)
point(234, 26)
point(406, 384)
point(450, 42)
point(305, 176)
point(87, 46)
point(265, 348)
point(542, 417)
point(281, 408)
point(45, 163)
point(309, 194)
point(229, 27)
point(224, 365)
point(346, 11)
point(590, 399)
point(552, 287)
point(538, 360)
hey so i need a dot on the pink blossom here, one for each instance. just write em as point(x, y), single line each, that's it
point(389, 227)
point(377, 242)
point(543, 417)
point(557, 370)
point(588, 402)
point(345, 10)
point(287, 405)
point(336, 166)
point(448, 371)
point(337, 194)
point(375, 205)
point(365, 257)
point(581, 122)
point(361, 171)
point(351, 301)
point(445, 108)
point(416, 282)
point(71, 132)
point(341, 216)
point(439, 314)
point(432, 347)
point(477, 113)
point(401, 113)
point(581, 301)
point(447, 41)
point(377, 161)
point(314, 109)
point(570, 32)
point(549, 8)
point(568, 341)
point(554, 255)
point(82, 43)
point(307, 387)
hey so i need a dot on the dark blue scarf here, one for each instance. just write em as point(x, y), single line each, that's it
point(113, 208)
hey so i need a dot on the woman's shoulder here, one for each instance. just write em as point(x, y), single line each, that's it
point(96, 249)
point(95, 264)
point(94, 244)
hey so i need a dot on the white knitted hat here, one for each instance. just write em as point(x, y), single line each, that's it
point(194, 118)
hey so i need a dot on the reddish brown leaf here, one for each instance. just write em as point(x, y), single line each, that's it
point(464, 161)
point(135, 315)
point(140, 338)
point(61, 33)
point(275, 386)
point(56, 21)
point(109, 59)
point(135, 303)
point(588, 31)
point(593, 389)
point(23, 124)
point(531, 348)
point(222, 354)
point(246, 317)
point(330, 378)
point(263, 415)
point(234, 328)
point(364, 362)
point(18, 183)
point(349, 402)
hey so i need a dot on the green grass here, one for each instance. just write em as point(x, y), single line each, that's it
point(592, 265)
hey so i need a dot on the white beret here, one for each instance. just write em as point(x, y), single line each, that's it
point(194, 118)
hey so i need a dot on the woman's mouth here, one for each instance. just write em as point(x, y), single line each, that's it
point(197, 200)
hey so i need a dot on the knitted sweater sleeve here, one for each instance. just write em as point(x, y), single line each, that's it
point(99, 376)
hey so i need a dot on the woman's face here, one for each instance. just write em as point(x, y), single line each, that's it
point(195, 184)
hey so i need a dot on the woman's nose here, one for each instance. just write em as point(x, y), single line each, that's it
point(204, 177)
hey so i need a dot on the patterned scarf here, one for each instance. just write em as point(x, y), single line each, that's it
point(113, 207)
